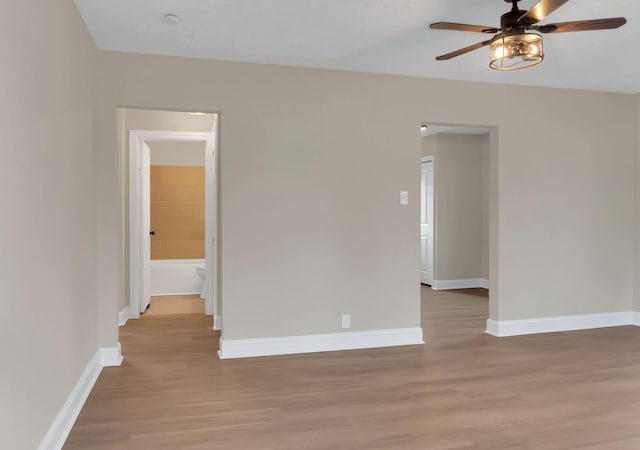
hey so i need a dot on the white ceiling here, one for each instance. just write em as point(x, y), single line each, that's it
point(378, 36)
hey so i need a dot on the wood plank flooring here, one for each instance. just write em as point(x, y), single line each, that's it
point(175, 304)
point(462, 390)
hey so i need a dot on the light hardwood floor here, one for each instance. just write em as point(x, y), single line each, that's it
point(462, 390)
point(175, 304)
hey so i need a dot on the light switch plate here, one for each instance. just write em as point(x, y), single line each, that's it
point(404, 198)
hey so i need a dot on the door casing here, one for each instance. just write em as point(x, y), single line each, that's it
point(137, 139)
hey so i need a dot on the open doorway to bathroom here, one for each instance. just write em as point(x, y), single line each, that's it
point(174, 207)
point(172, 212)
point(455, 224)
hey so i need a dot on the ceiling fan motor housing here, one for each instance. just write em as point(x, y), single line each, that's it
point(509, 20)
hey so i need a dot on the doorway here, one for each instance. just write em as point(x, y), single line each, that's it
point(455, 220)
point(169, 263)
point(454, 208)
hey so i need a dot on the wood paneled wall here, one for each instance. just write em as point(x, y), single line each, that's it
point(177, 212)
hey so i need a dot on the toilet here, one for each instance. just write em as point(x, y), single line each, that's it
point(202, 271)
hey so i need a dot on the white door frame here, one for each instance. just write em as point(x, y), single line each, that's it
point(431, 254)
point(144, 200)
point(137, 138)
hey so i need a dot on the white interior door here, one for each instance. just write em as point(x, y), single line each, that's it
point(145, 238)
point(210, 287)
point(208, 291)
point(426, 221)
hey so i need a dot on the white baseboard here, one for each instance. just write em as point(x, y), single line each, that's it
point(439, 285)
point(62, 424)
point(123, 316)
point(245, 348)
point(493, 328)
point(217, 322)
point(111, 356)
point(504, 328)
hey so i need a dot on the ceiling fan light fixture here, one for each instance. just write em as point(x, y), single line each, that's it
point(516, 51)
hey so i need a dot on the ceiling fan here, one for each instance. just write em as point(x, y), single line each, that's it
point(514, 46)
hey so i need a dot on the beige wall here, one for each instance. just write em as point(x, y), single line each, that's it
point(461, 204)
point(429, 145)
point(48, 323)
point(324, 188)
point(177, 153)
point(165, 120)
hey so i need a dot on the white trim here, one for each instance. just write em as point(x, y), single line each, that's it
point(635, 318)
point(62, 424)
point(111, 356)
point(176, 293)
point(465, 283)
point(217, 322)
point(493, 328)
point(244, 348)
point(504, 328)
point(136, 143)
point(123, 316)
point(178, 262)
point(210, 287)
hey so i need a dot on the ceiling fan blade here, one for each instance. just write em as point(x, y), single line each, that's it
point(540, 10)
point(468, 49)
point(582, 25)
point(463, 27)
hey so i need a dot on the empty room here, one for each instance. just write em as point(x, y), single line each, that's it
point(358, 225)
